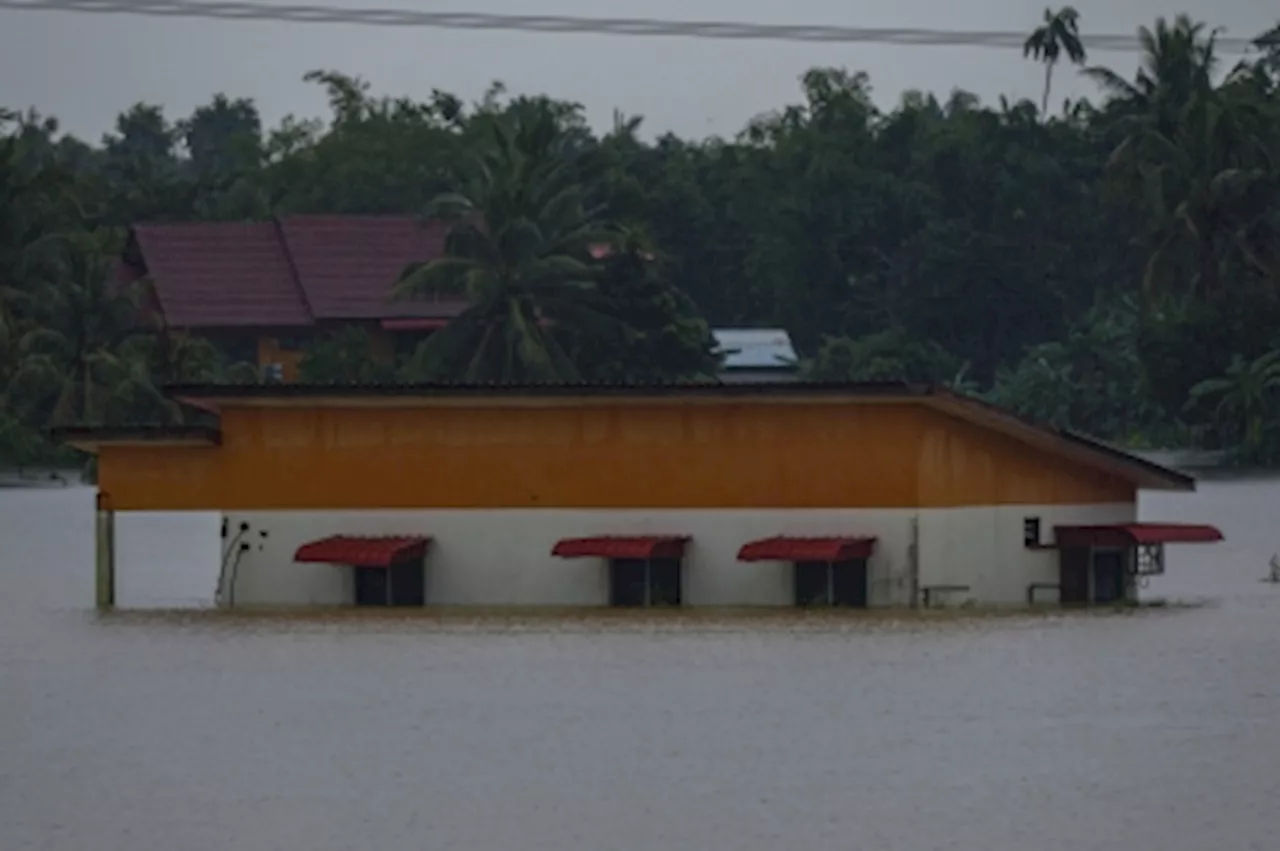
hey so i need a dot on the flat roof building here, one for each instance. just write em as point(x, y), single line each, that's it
point(881, 494)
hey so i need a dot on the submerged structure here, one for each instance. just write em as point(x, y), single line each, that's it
point(776, 494)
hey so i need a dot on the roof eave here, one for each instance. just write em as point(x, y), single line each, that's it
point(224, 393)
point(91, 439)
point(1089, 450)
point(1147, 474)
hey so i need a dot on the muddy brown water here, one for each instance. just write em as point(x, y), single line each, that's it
point(1157, 729)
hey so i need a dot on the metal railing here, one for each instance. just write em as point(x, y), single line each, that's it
point(929, 593)
point(1041, 586)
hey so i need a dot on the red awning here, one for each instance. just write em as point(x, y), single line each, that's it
point(1134, 534)
point(363, 552)
point(783, 548)
point(620, 546)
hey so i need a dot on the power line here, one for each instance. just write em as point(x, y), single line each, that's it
point(308, 14)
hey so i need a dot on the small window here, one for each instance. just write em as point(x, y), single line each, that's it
point(627, 582)
point(640, 582)
point(813, 583)
point(273, 372)
point(407, 583)
point(664, 582)
point(849, 583)
point(372, 588)
point(1031, 531)
point(844, 583)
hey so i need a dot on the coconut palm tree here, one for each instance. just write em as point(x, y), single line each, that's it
point(66, 358)
point(1179, 61)
point(1194, 154)
point(1060, 33)
point(1248, 396)
point(518, 252)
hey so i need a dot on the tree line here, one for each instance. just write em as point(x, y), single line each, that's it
point(1109, 264)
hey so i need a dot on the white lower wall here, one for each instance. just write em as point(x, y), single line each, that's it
point(166, 559)
point(982, 548)
point(503, 557)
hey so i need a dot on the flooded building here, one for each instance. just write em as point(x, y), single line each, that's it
point(778, 494)
point(756, 355)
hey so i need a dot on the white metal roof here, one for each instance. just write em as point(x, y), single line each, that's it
point(755, 348)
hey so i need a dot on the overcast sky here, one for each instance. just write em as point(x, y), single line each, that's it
point(86, 68)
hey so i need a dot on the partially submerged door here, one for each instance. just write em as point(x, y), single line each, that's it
point(841, 583)
point(812, 583)
point(1073, 581)
point(408, 583)
point(849, 583)
point(627, 582)
point(371, 586)
point(1108, 576)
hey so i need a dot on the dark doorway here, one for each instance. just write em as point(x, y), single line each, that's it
point(842, 583)
point(849, 584)
point(408, 584)
point(371, 586)
point(640, 582)
point(1108, 576)
point(627, 582)
point(813, 583)
point(665, 588)
point(1073, 576)
point(402, 584)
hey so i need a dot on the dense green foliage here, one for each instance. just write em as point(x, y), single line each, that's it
point(1112, 265)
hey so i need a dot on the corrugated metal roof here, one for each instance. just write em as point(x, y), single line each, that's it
point(222, 274)
point(288, 273)
point(755, 348)
point(349, 265)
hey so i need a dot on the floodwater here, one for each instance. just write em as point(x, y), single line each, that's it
point(1158, 729)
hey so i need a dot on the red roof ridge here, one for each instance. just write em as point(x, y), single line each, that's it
point(293, 267)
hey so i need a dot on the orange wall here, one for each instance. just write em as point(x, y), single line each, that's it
point(381, 344)
point(270, 351)
point(965, 464)
point(735, 454)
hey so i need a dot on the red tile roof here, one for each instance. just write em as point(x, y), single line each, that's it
point(1133, 534)
point(621, 546)
point(808, 549)
point(348, 265)
point(290, 273)
point(363, 552)
point(221, 274)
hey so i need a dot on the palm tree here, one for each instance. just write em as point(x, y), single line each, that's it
point(1247, 395)
point(518, 252)
point(68, 356)
point(1059, 33)
point(1179, 61)
point(1190, 152)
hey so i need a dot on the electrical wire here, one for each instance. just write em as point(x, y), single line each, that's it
point(317, 14)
